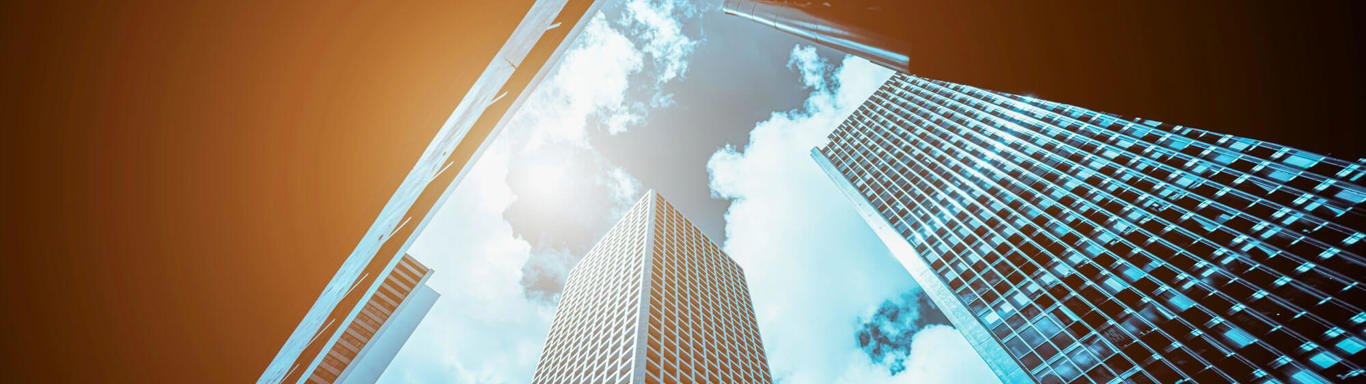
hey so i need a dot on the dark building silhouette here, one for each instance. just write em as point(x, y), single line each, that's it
point(1287, 72)
point(1075, 246)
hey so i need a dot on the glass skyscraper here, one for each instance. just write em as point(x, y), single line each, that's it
point(1258, 69)
point(1075, 246)
point(654, 302)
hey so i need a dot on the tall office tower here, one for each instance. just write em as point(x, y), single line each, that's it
point(1074, 246)
point(530, 53)
point(654, 302)
point(1257, 69)
point(358, 349)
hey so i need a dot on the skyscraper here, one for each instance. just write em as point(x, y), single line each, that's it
point(1074, 246)
point(654, 302)
point(527, 56)
point(1267, 70)
point(356, 350)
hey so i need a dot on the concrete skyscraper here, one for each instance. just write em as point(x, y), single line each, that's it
point(1075, 246)
point(654, 301)
point(356, 350)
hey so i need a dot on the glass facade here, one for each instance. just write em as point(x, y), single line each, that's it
point(654, 302)
point(872, 29)
point(1075, 246)
point(1191, 62)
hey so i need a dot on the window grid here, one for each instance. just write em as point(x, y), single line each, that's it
point(698, 323)
point(701, 326)
point(1099, 249)
point(376, 311)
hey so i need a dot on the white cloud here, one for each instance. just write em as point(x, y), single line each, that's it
point(811, 66)
point(609, 61)
point(665, 41)
point(592, 79)
point(478, 273)
point(940, 354)
point(489, 326)
point(625, 189)
point(814, 267)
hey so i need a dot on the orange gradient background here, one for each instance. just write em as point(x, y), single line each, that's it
point(182, 179)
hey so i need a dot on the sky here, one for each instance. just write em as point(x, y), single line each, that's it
point(651, 97)
point(181, 179)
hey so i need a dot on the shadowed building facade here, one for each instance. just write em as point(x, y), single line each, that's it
point(1267, 70)
point(654, 301)
point(1075, 246)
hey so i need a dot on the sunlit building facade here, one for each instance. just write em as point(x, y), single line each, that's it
point(654, 302)
point(1074, 246)
point(358, 349)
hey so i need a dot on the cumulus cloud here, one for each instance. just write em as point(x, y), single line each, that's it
point(563, 192)
point(567, 198)
point(615, 63)
point(815, 269)
point(940, 354)
point(625, 189)
point(479, 275)
point(592, 79)
point(564, 182)
point(544, 273)
point(500, 276)
point(662, 32)
point(811, 66)
point(813, 265)
point(887, 336)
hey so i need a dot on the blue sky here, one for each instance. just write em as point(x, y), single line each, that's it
point(640, 102)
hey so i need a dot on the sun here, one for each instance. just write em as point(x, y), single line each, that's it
point(547, 181)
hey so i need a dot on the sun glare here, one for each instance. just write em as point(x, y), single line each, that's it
point(547, 182)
